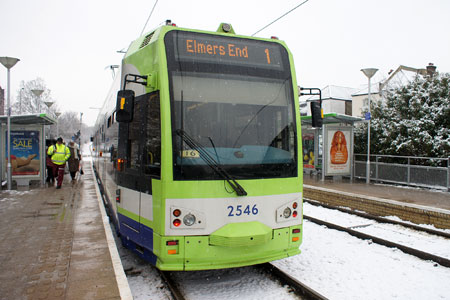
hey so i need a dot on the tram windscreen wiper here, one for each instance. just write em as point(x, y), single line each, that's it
point(211, 162)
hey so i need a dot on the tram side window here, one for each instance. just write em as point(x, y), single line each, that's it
point(135, 134)
point(152, 144)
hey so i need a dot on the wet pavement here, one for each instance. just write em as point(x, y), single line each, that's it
point(53, 244)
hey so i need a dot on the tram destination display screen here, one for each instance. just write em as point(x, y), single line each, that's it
point(204, 48)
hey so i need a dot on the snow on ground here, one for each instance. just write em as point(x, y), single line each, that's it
point(237, 283)
point(407, 237)
point(335, 264)
point(340, 266)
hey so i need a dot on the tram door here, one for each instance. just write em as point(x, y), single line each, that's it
point(140, 144)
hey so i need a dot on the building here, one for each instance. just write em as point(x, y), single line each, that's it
point(335, 99)
point(360, 99)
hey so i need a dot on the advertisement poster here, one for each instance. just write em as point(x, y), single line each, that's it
point(308, 150)
point(25, 158)
point(338, 158)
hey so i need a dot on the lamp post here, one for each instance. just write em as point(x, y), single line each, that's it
point(38, 93)
point(369, 72)
point(48, 104)
point(81, 123)
point(20, 101)
point(57, 114)
point(8, 63)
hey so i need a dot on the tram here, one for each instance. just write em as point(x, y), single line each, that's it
point(197, 149)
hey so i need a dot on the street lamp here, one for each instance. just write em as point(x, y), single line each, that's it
point(38, 93)
point(57, 114)
point(20, 101)
point(369, 72)
point(48, 104)
point(8, 63)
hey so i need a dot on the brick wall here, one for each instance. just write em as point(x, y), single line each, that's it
point(380, 207)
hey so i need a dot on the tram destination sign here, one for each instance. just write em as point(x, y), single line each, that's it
point(223, 50)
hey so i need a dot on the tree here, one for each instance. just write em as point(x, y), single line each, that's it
point(412, 120)
point(27, 103)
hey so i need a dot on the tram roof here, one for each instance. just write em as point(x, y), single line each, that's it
point(333, 118)
point(37, 119)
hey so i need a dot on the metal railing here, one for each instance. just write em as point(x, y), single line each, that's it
point(428, 172)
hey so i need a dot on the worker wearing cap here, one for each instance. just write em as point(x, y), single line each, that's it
point(60, 154)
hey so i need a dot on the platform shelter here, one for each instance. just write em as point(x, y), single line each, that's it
point(28, 153)
point(328, 151)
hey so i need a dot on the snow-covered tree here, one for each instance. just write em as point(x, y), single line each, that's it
point(28, 103)
point(412, 120)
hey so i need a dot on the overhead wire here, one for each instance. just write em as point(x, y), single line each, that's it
point(149, 17)
point(285, 14)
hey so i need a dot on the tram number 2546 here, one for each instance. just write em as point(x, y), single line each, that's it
point(239, 210)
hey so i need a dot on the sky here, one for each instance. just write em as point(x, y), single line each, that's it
point(70, 44)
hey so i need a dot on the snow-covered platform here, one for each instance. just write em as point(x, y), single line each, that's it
point(57, 244)
point(417, 205)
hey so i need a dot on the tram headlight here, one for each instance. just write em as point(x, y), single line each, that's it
point(189, 220)
point(287, 212)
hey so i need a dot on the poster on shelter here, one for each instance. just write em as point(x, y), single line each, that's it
point(338, 158)
point(308, 150)
point(25, 159)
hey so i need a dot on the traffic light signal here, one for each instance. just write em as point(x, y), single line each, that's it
point(316, 114)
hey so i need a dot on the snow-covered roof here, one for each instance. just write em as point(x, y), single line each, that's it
point(334, 92)
point(374, 89)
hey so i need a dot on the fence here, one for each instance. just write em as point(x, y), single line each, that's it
point(409, 170)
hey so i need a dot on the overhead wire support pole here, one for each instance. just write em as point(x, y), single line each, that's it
point(285, 14)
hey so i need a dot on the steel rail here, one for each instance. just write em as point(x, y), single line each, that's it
point(418, 253)
point(379, 219)
point(171, 284)
point(299, 288)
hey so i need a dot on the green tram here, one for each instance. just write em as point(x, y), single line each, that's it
point(197, 150)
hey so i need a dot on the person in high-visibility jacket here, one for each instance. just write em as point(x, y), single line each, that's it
point(60, 153)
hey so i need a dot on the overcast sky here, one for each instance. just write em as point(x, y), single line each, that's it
point(70, 43)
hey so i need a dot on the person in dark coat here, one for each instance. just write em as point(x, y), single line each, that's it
point(49, 163)
point(74, 159)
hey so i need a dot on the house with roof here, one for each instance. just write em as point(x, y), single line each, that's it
point(398, 78)
point(335, 99)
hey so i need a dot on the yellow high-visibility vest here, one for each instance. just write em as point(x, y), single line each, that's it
point(60, 153)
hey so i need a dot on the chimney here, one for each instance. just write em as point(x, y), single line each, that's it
point(431, 69)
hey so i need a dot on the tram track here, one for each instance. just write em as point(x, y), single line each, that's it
point(379, 219)
point(409, 250)
point(299, 288)
point(294, 287)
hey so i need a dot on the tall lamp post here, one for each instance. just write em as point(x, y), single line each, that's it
point(81, 123)
point(57, 114)
point(38, 94)
point(369, 72)
point(20, 101)
point(48, 104)
point(8, 63)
